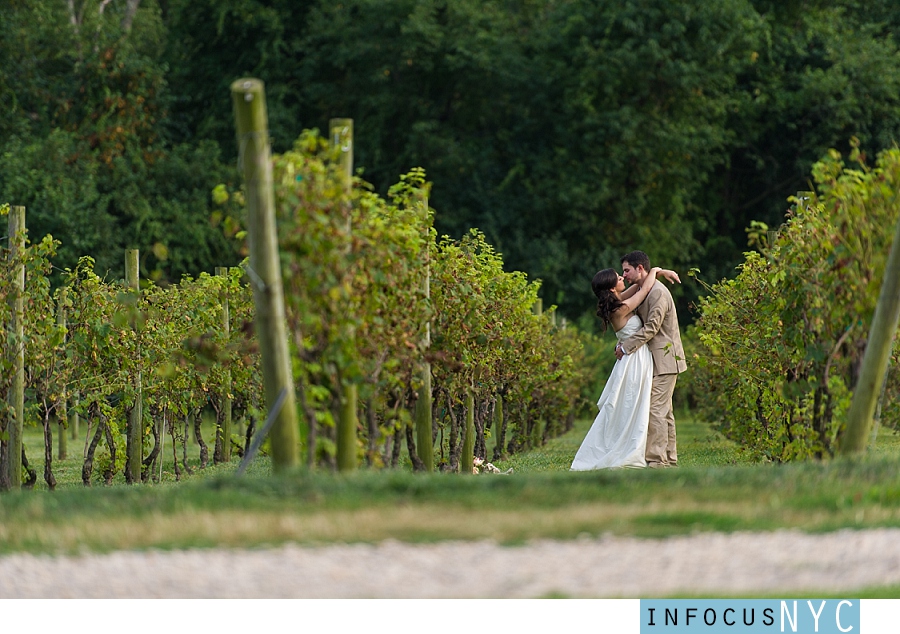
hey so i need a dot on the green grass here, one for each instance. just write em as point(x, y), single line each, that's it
point(714, 489)
point(698, 445)
point(68, 471)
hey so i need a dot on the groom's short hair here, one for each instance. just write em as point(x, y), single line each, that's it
point(636, 258)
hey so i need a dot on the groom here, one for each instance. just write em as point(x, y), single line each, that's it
point(660, 333)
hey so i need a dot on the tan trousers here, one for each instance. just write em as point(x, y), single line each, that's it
point(661, 449)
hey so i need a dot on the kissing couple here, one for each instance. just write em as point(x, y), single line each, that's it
point(635, 426)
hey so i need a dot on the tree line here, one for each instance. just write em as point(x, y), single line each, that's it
point(567, 132)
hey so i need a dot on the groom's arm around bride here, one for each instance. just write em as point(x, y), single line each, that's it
point(659, 332)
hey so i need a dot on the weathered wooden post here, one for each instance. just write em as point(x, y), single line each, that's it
point(134, 436)
point(346, 430)
point(248, 97)
point(876, 357)
point(423, 410)
point(16, 348)
point(498, 431)
point(342, 138)
point(226, 383)
point(62, 421)
point(467, 459)
point(62, 417)
point(74, 419)
point(538, 307)
point(423, 418)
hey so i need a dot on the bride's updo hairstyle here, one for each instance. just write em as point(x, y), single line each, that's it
point(603, 284)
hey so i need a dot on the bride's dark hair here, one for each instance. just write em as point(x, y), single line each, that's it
point(603, 284)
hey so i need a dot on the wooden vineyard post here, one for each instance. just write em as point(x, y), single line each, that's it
point(346, 431)
point(876, 356)
point(423, 411)
point(73, 416)
point(134, 437)
point(226, 386)
point(467, 459)
point(62, 417)
point(498, 430)
point(423, 420)
point(342, 138)
point(254, 156)
point(16, 349)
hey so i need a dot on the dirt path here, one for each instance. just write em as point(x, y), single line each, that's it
point(740, 563)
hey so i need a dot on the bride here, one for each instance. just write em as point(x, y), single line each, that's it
point(618, 437)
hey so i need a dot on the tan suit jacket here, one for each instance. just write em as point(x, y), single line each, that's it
point(660, 332)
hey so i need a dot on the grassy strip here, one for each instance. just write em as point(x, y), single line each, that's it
point(714, 490)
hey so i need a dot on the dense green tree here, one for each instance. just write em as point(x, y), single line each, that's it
point(639, 96)
point(213, 42)
point(569, 132)
point(87, 149)
point(828, 72)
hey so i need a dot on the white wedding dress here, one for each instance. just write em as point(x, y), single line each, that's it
point(618, 436)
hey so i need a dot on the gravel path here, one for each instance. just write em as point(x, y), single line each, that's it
point(604, 567)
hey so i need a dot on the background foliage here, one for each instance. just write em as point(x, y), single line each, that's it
point(567, 132)
point(559, 134)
